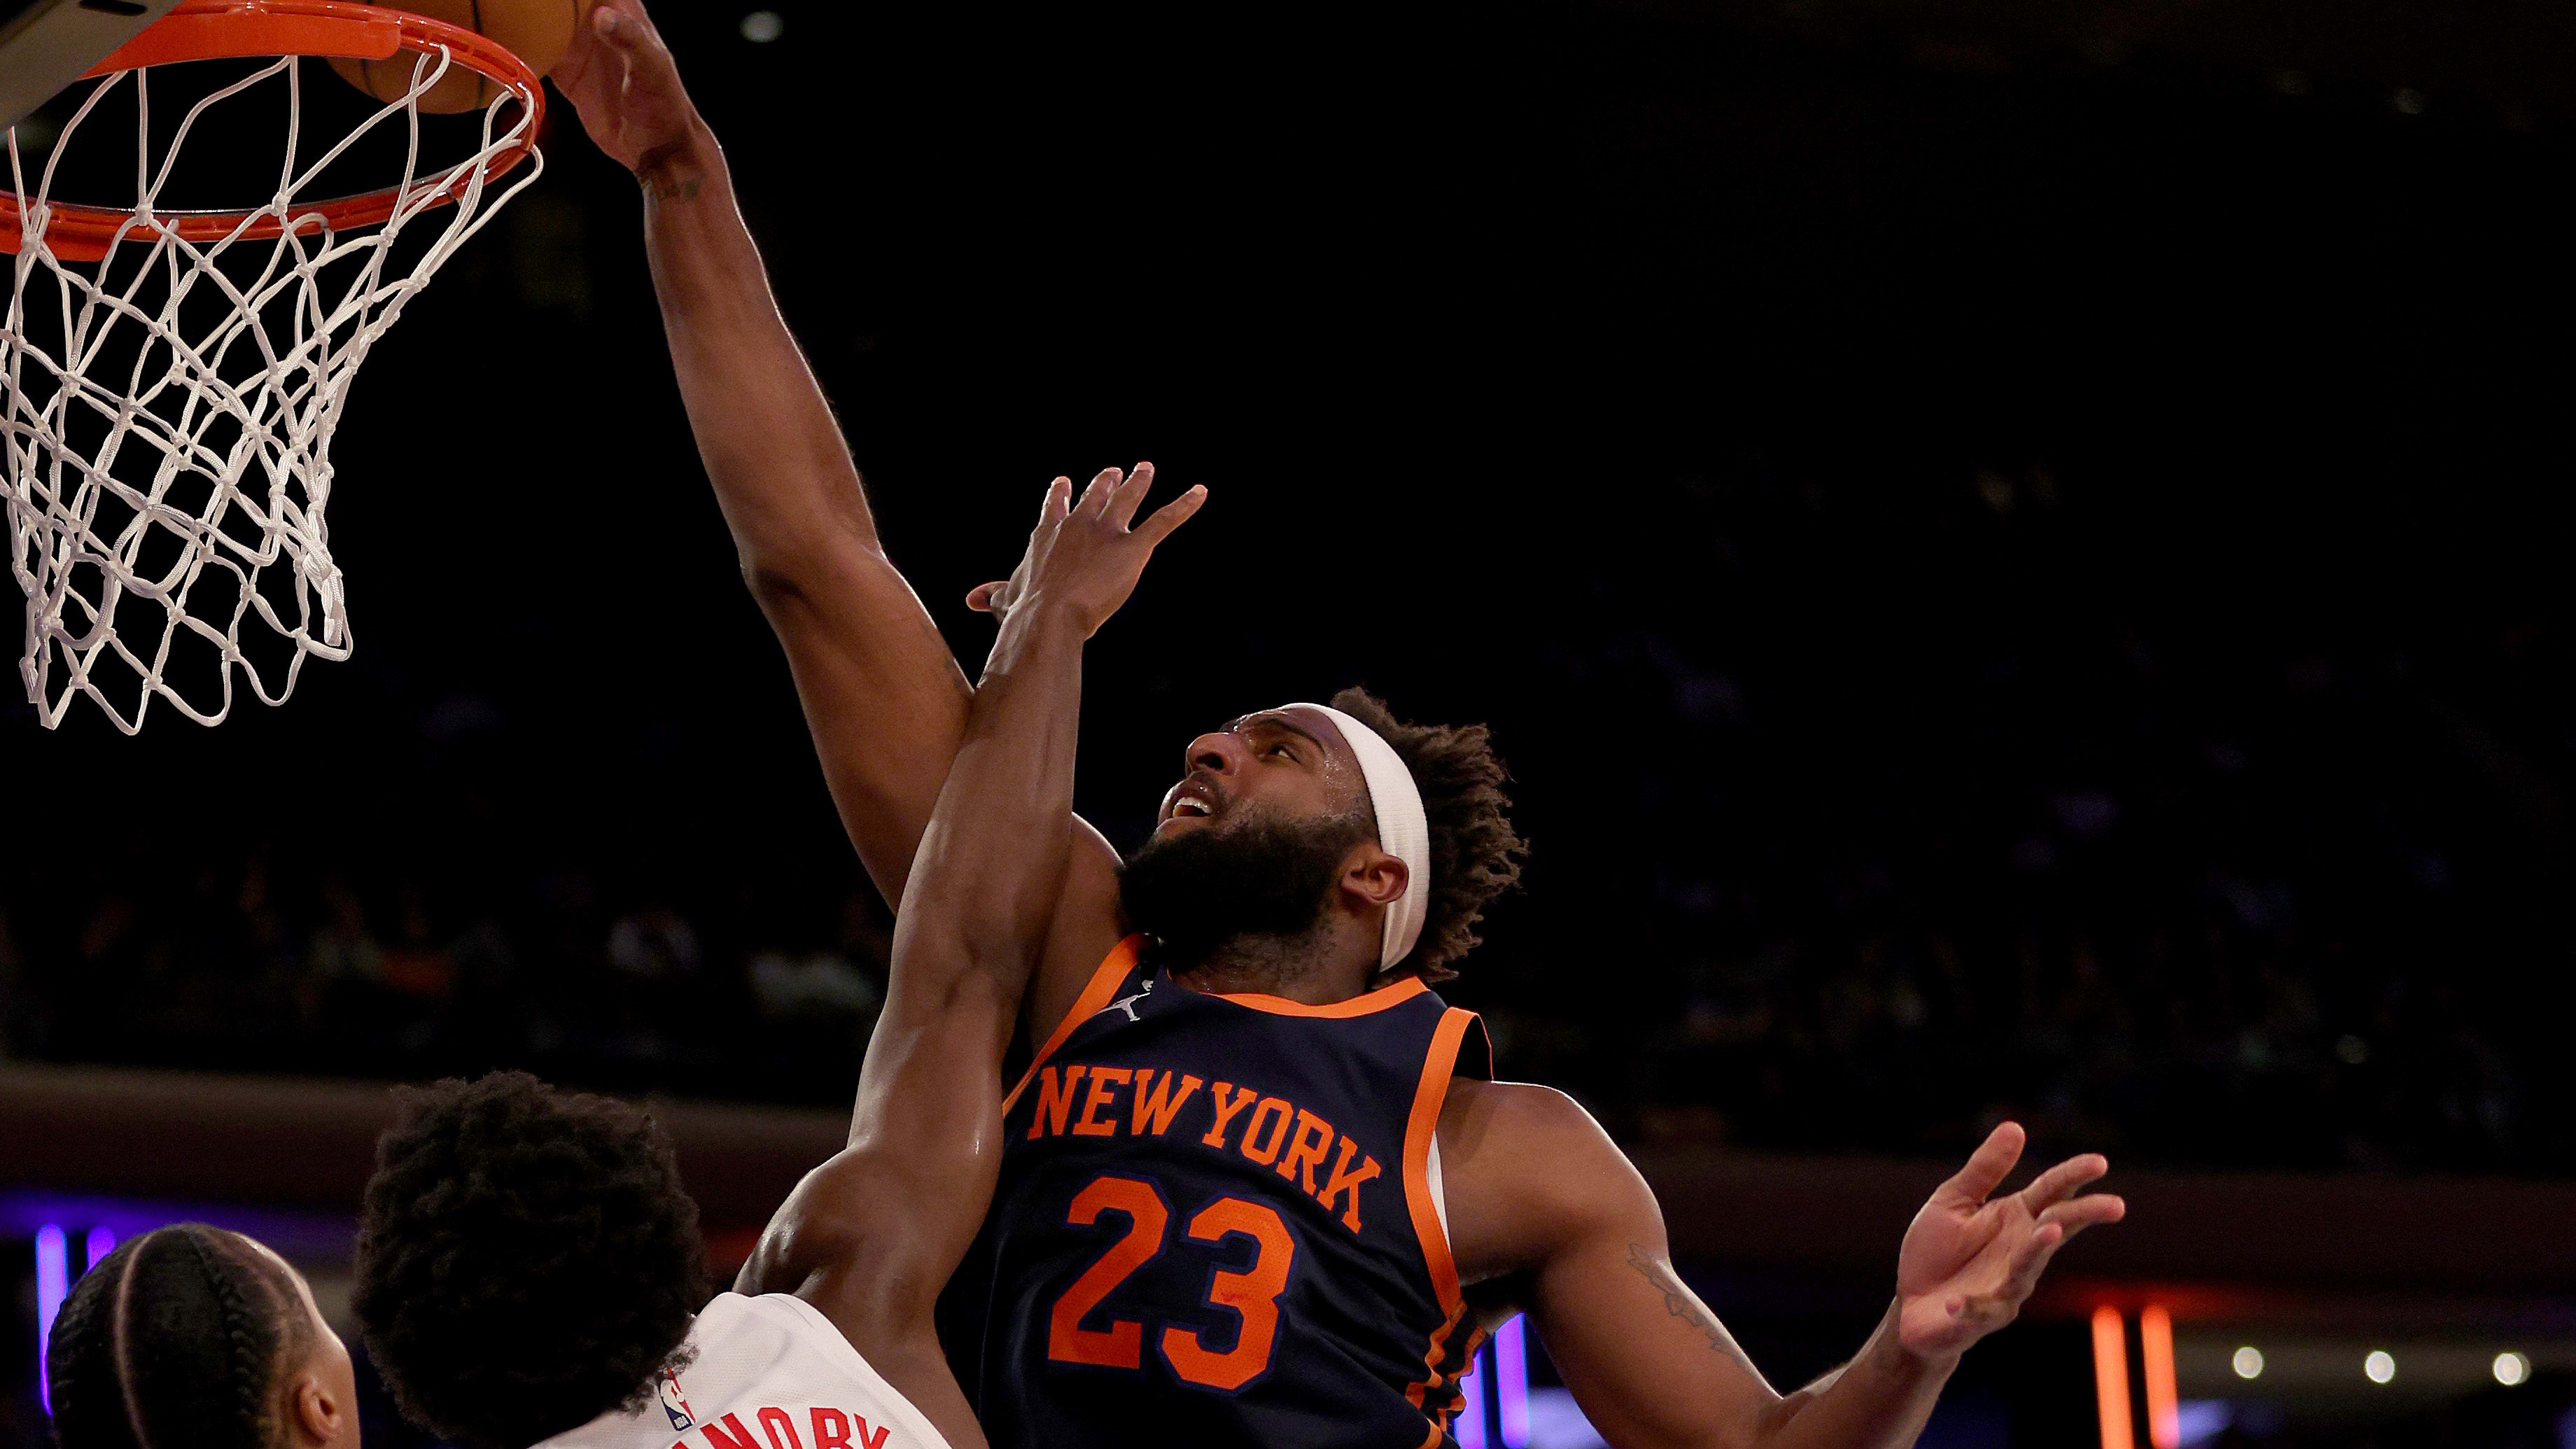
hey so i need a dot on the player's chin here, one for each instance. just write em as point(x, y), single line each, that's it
point(1182, 825)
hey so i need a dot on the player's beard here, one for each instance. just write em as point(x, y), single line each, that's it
point(1262, 878)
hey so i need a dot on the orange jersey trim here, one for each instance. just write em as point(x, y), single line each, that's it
point(1094, 1000)
point(1437, 1066)
point(1375, 1001)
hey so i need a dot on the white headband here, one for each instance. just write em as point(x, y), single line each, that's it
point(1403, 831)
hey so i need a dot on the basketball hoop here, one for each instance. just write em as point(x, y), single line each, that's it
point(172, 378)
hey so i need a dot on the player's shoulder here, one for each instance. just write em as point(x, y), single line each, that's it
point(1514, 1117)
point(1527, 1169)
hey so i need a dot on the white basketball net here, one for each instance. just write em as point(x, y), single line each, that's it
point(196, 465)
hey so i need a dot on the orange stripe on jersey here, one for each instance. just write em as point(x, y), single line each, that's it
point(1093, 1000)
point(1418, 1130)
point(1437, 1066)
point(1378, 1000)
point(1445, 1384)
point(1431, 1357)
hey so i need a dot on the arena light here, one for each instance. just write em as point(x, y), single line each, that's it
point(101, 1242)
point(2512, 1369)
point(763, 26)
point(2111, 1377)
point(53, 1283)
point(2248, 1362)
point(2156, 1353)
point(2379, 1366)
point(1511, 1382)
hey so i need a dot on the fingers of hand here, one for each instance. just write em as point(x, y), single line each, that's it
point(985, 598)
point(1096, 496)
point(1124, 501)
point(1987, 1166)
point(1059, 496)
point(2061, 1181)
point(1159, 524)
point(2091, 1210)
point(622, 26)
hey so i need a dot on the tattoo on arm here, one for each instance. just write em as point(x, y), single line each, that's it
point(1679, 1301)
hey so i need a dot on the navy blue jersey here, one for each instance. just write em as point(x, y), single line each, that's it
point(1216, 1225)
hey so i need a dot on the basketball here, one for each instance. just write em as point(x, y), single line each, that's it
point(536, 31)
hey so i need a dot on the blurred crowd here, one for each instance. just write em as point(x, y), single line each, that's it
point(1948, 809)
point(2189, 896)
point(263, 963)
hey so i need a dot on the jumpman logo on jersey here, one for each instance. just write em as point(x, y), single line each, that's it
point(1127, 1004)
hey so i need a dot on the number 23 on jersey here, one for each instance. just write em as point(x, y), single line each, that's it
point(1252, 1295)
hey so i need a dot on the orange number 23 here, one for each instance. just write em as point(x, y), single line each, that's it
point(1252, 1295)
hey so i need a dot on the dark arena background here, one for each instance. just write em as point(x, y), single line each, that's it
point(2016, 553)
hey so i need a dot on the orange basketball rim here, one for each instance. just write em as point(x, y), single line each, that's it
point(253, 29)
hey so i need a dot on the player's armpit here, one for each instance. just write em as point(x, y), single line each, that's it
point(1536, 1190)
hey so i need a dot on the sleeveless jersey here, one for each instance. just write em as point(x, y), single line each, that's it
point(1218, 1223)
point(767, 1371)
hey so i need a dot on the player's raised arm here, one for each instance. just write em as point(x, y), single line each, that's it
point(882, 694)
point(870, 1237)
point(1652, 1367)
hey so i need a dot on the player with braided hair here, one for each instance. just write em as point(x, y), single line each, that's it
point(194, 1336)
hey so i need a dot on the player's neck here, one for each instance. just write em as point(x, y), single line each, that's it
point(1315, 967)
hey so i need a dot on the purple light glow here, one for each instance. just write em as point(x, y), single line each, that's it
point(1469, 1426)
point(53, 1282)
point(1511, 1382)
point(101, 1242)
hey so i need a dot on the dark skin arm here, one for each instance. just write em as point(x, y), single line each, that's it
point(1547, 1215)
point(884, 698)
point(870, 1236)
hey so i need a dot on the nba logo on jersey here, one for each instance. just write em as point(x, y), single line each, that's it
point(674, 1405)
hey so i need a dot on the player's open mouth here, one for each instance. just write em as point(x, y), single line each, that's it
point(1195, 799)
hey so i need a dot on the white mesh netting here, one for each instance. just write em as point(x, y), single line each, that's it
point(170, 406)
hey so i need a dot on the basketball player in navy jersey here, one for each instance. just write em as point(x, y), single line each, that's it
point(1258, 1189)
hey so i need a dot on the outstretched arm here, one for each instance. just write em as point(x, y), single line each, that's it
point(883, 696)
point(870, 1236)
point(1540, 1198)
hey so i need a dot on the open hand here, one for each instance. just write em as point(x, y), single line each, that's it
point(1083, 556)
point(620, 76)
point(1968, 1263)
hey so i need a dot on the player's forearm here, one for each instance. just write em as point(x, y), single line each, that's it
point(1879, 1400)
point(884, 697)
point(781, 469)
point(991, 866)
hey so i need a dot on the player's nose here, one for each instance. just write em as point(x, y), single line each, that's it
point(1220, 753)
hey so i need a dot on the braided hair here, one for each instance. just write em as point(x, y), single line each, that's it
point(179, 1337)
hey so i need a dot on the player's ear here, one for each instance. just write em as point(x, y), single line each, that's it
point(316, 1416)
point(1373, 876)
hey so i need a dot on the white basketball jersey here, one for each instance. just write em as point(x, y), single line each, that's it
point(769, 1373)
